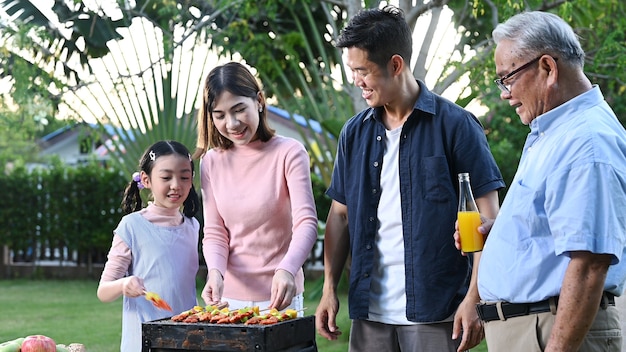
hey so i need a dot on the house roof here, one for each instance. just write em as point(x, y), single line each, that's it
point(111, 130)
point(279, 119)
point(299, 119)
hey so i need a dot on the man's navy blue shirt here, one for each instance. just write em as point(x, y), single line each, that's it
point(439, 140)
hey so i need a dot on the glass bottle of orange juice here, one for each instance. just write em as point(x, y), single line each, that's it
point(468, 217)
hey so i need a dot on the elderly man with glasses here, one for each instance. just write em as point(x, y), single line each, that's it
point(554, 259)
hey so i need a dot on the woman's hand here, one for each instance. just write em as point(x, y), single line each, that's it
point(214, 287)
point(283, 289)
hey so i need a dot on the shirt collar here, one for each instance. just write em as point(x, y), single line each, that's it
point(425, 102)
point(566, 111)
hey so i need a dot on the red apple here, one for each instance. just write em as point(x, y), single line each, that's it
point(38, 343)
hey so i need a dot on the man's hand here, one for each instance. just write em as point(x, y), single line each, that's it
point(484, 229)
point(579, 299)
point(466, 320)
point(325, 316)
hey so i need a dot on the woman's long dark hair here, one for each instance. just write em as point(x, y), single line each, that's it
point(235, 78)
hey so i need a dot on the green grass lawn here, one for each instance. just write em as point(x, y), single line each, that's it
point(66, 311)
point(69, 311)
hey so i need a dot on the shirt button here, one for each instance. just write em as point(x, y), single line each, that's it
point(379, 138)
point(369, 246)
point(375, 163)
point(371, 218)
point(366, 275)
point(374, 191)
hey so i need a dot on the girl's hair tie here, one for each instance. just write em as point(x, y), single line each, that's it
point(137, 178)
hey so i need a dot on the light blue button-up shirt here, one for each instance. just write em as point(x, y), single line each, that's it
point(569, 194)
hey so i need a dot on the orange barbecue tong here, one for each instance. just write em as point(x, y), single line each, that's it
point(157, 301)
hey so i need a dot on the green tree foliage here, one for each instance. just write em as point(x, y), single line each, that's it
point(289, 43)
point(27, 107)
point(601, 26)
point(145, 81)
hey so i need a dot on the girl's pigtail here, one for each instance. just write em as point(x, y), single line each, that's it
point(131, 202)
point(192, 203)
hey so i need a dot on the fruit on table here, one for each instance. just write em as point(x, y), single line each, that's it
point(12, 346)
point(38, 343)
point(76, 347)
point(72, 347)
point(16, 346)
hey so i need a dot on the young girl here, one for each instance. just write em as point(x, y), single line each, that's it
point(260, 222)
point(154, 249)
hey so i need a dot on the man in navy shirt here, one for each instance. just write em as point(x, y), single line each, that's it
point(395, 198)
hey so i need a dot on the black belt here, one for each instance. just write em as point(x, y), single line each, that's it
point(489, 312)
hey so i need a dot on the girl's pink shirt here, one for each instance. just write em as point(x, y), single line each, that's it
point(259, 214)
point(120, 257)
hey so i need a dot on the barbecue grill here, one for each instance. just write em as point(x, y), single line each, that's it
point(165, 335)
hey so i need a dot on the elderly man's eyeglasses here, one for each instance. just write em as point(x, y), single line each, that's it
point(506, 87)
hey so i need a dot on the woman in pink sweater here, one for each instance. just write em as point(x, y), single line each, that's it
point(260, 222)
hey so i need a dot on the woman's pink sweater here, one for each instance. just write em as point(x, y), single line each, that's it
point(259, 214)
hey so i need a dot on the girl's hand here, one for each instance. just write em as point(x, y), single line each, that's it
point(283, 289)
point(132, 286)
